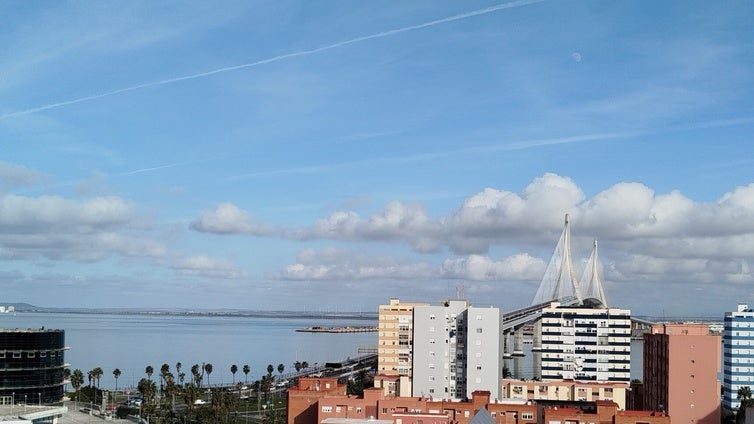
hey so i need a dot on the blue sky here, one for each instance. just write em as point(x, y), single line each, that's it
point(331, 155)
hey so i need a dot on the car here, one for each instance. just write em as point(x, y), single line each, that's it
point(200, 402)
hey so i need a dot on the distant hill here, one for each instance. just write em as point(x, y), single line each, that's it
point(21, 307)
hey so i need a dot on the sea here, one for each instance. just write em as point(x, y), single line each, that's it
point(131, 342)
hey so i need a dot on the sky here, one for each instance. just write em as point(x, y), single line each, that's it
point(331, 155)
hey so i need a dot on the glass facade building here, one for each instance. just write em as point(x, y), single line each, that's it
point(738, 354)
point(32, 364)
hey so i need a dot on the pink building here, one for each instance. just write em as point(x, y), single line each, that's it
point(681, 364)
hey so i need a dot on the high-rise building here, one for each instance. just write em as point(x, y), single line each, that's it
point(457, 350)
point(586, 343)
point(32, 365)
point(681, 362)
point(738, 354)
point(395, 343)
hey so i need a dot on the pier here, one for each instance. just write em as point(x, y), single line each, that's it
point(348, 329)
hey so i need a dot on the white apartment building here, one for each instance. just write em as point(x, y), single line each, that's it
point(738, 354)
point(586, 343)
point(457, 350)
point(395, 343)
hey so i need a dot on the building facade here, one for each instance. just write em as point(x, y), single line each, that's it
point(681, 362)
point(32, 364)
point(395, 343)
point(738, 354)
point(457, 350)
point(566, 390)
point(586, 343)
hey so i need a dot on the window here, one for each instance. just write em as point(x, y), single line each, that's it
point(527, 416)
point(16, 354)
point(479, 317)
point(479, 330)
point(337, 409)
point(479, 367)
point(30, 355)
point(327, 409)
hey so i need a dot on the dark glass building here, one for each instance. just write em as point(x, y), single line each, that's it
point(32, 365)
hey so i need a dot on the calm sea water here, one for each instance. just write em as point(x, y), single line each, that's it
point(131, 342)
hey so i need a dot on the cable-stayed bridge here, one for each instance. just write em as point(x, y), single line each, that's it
point(559, 284)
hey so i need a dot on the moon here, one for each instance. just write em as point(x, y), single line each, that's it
point(576, 56)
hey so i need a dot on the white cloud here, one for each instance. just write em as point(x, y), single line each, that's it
point(14, 175)
point(227, 219)
point(205, 266)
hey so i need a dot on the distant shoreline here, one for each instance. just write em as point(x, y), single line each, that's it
point(210, 313)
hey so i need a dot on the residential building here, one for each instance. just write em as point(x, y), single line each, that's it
point(586, 343)
point(308, 405)
point(738, 354)
point(457, 350)
point(395, 343)
point(681, 363)
point(32, 364)
point(603, 412)
point(565, 390)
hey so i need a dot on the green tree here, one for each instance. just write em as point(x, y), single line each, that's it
point(149, 371)
point(147, 388)
point(304, 365)
point(77, 380)
point(281, 368)
point(234, 370)
point(190, 395)
point(744, 395)
point(246, 371)
point(97, 373)
point(270, 370)
point(297, 366)
point(208, 370)
point(195, 373)
point(116, 374)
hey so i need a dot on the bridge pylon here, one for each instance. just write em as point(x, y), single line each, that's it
point(559, 279)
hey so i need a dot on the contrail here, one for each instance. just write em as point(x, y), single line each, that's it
point(339, 44)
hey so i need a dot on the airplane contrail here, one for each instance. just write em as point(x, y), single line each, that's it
point(388, 33)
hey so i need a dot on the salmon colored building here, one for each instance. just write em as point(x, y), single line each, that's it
point(606, 412)
point(681, 364)
point(324, 401)
point(565, 390)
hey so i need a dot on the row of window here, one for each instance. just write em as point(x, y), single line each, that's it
point(29, 354)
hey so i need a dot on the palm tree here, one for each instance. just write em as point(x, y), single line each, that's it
point(66, 374)
point(234, 370)
point(208, 370)
point(744, 395)
point(195, 373)
point(149, 371)
point(246, 370)
point(297, 366)
point(270, 369)
point(281, 368)
point(97, 373)
point(147, 388)
point(178, 367)
point(304, 365)
point(77, 379)
point(164, 370)
point(90, 376)
point(181, 377)
point(116, 374)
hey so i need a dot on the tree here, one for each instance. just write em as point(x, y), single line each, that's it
point(297, 366)
point(116, 374)
point(304, 365)
point(77, 379)
point(178, 367)
point(147, 388)
point(149, 371)
point(181, 377)
point(246, 371)
point(281, 368)
point(744, 395)
point(270, 370)
point(67, 374)
point(90, 376)
point(97, 373)
point(208, 370)
point(164, 370)
point(234, 370)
